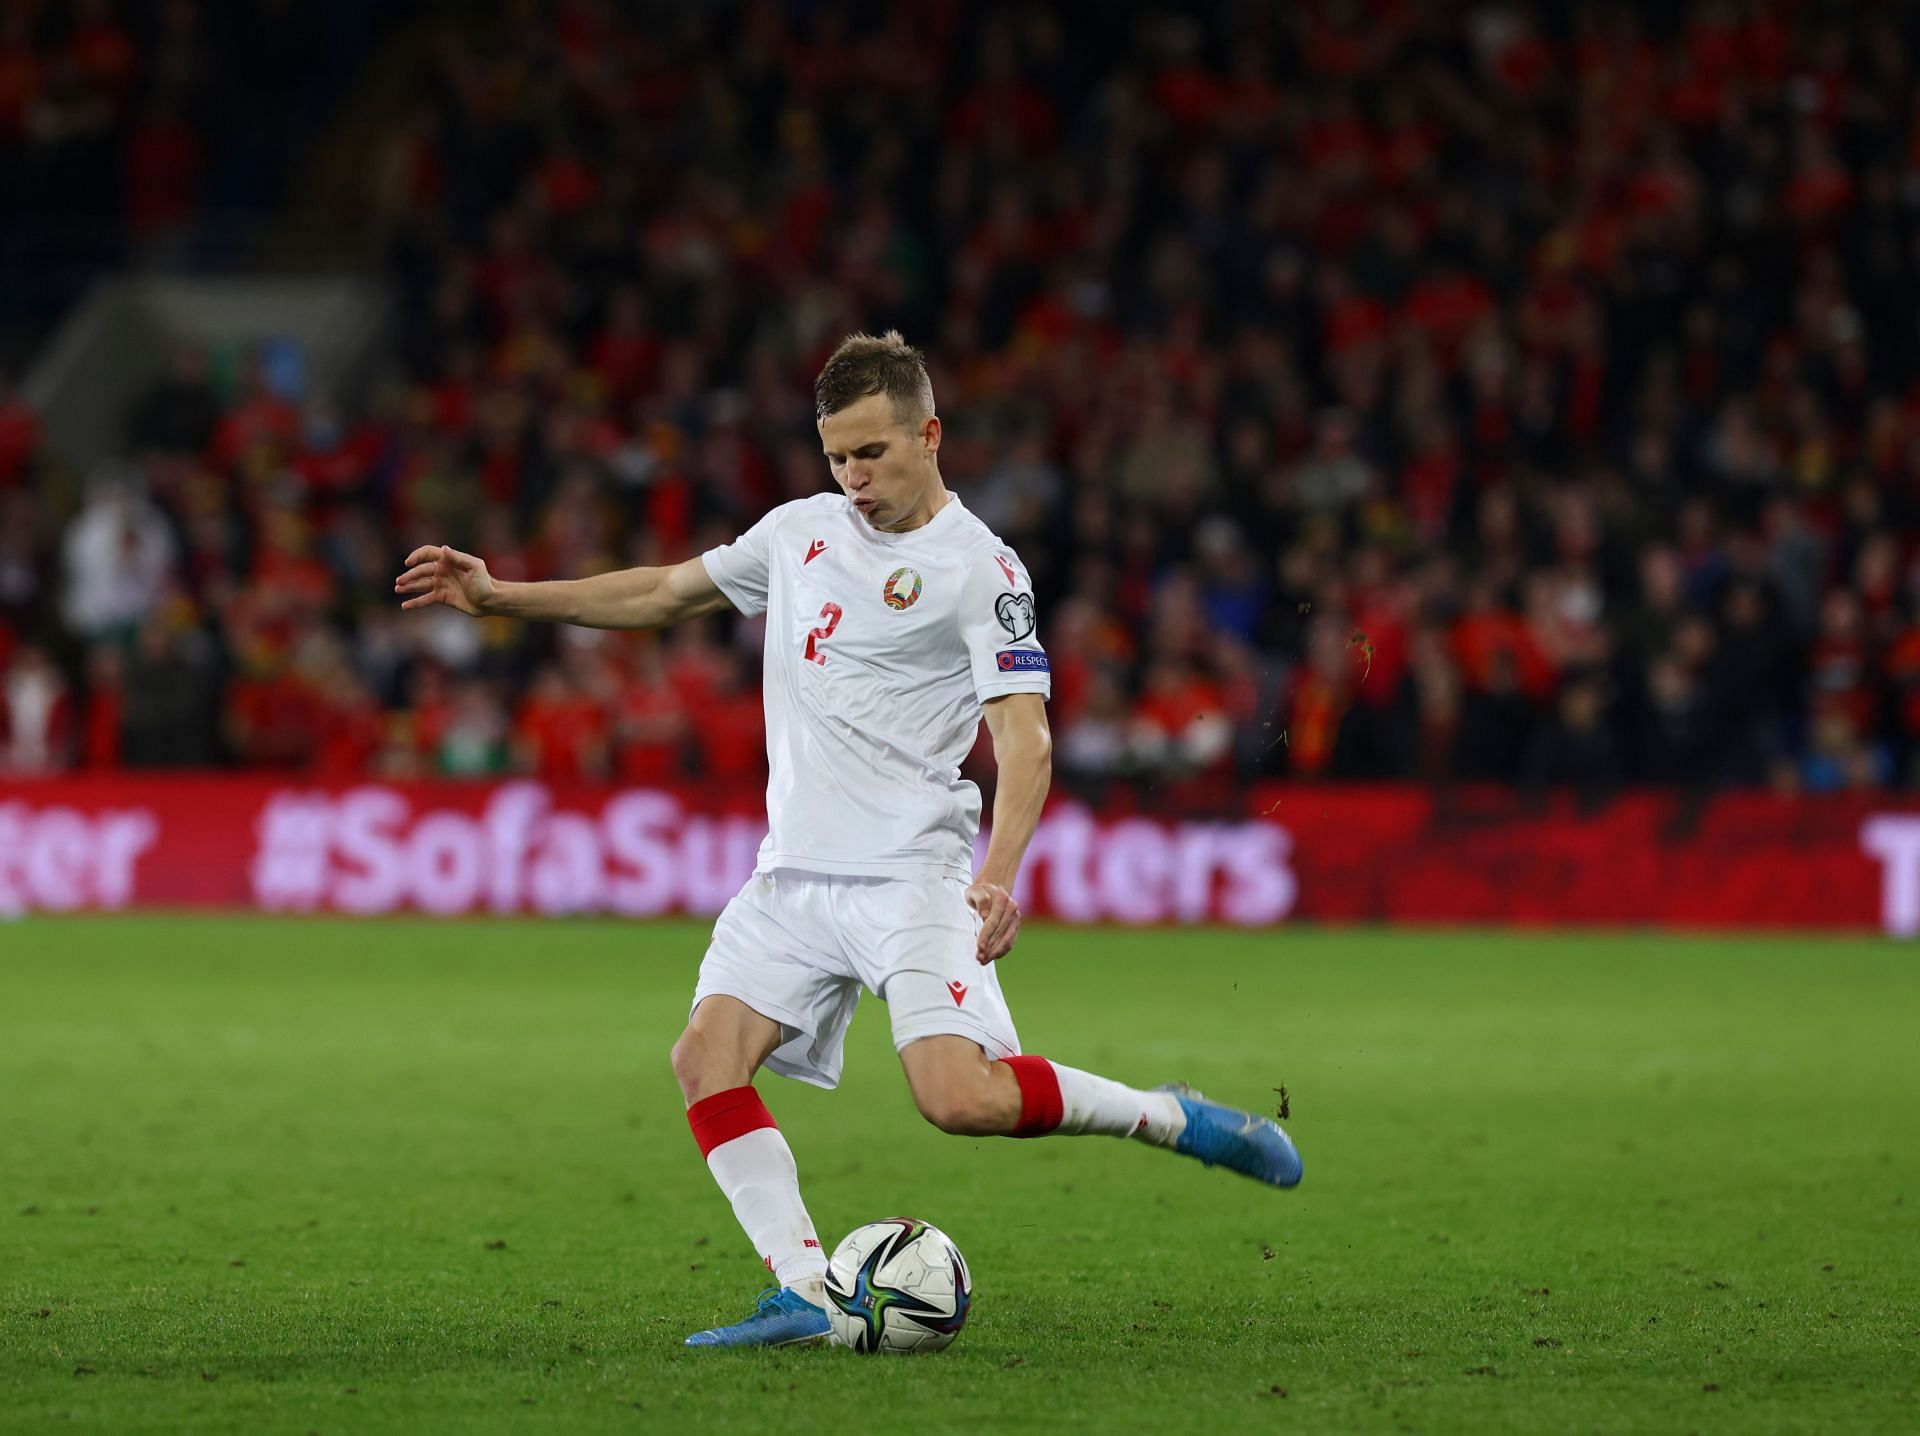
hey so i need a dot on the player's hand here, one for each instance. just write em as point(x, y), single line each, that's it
point(438, 574)
point(999, 921)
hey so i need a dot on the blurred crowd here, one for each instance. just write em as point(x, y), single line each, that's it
point(101, 112)
point(1488, 391)
point(155, 132)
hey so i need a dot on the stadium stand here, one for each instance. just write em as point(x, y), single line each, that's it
point(1520, 392)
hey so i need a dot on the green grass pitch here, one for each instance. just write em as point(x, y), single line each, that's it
point(292, 1176)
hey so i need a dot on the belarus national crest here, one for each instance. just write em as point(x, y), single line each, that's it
point(903, 588)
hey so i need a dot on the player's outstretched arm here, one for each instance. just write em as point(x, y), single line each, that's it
point(629, 598)
point(1023, 752)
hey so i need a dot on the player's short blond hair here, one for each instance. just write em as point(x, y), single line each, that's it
point(864, 365)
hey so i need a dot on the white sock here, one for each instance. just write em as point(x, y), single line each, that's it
point(1099, 1105)
point(758, 1175)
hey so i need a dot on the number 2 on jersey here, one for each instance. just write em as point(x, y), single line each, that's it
point(831, 613)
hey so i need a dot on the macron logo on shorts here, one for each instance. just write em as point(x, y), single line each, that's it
point(1020, 660)
point(959, 991)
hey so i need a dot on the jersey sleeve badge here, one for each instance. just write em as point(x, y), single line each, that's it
point(1015, 612)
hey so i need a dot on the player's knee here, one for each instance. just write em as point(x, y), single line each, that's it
point(692, 1059)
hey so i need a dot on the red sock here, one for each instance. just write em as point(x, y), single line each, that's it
point(1041, 1107)
point(718, 1119)
point(754, 1168)
point(1056, 1100)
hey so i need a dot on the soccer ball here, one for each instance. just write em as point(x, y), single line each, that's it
point(897, 1285)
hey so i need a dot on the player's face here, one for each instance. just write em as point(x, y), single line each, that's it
point(888, 468)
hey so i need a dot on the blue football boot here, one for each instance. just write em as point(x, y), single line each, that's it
point(782, 1318)
point(1245, 1142)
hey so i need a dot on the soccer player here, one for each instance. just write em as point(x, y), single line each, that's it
point(895, 618)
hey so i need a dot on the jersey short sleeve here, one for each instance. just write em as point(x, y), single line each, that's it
point(1000, 628)
point(740, 569)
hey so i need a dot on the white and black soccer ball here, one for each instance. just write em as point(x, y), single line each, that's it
point(897, 1285)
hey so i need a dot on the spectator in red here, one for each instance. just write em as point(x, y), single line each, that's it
point(1493, 644)
point(695, 665)
point(1321, 693)
point(1433, 692)
point(1839, 669)
point(19, 435)
point(272, 716)
point(262, 418)
point(334, 461)
point(651, 725)
point(100, 738)
point(165, 160)
point(626, 352)
point(560, 733)
point(730, 732)
point(352, 727)
point(428, 710)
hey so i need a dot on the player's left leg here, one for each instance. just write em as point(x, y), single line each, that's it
point(962, 1058)
point(960, 1089)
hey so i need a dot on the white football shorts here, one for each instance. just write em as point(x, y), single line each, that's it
point(797, 947)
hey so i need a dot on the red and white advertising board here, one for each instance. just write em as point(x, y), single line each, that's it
point(1391, 854)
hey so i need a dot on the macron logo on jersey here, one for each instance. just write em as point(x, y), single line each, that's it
point(959, 992)
point(1007, 569)
point(1020, 660)
point(813, 551)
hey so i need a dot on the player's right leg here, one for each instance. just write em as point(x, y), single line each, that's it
point(766, 996)
point(724, 1044)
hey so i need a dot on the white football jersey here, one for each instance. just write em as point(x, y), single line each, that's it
point(881, 648)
